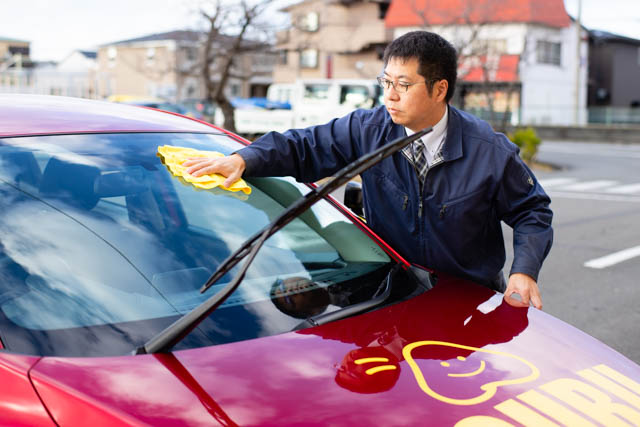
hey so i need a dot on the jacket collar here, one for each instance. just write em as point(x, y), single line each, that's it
point(452, 148)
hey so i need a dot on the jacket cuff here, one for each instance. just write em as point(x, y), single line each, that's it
point(251, 160)
point(524, 270)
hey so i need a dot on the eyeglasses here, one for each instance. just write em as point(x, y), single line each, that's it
point(386, 84)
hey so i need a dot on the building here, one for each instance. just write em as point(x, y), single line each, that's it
point(79, 61)
point(14, 64)
point(614, 87)
point(342, 39)
point(14, 54)
point(75, 75)
point(168, 66)
point(522, 59)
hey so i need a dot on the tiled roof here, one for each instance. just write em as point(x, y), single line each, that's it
point(91, 54)
point(605, 36)
point(402, 13)
point(179, 35)
point(7, 39)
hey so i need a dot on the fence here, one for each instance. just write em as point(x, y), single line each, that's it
point(48, 82)
point(614, 115)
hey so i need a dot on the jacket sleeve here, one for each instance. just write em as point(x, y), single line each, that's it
point(306, 154)
point(524, 206)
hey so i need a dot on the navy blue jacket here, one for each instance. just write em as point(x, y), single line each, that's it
point(454, 224)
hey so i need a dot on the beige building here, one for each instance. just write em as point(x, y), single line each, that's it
point(146, 66)
point(14, 54)
point(168, 66)
point(338, 39)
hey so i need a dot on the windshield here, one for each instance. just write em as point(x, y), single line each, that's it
point(101, 247)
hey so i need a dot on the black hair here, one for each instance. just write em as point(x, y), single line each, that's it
point(437, 58)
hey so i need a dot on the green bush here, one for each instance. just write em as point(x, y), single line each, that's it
point(528, 141)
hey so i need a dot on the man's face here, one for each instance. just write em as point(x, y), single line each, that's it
point(416, 108)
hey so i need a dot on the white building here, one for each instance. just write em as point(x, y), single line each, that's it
point(73, 76)
point(523, 53)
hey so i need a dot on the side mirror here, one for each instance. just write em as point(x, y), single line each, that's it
point(353, 197)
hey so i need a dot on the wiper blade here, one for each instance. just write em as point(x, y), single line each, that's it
point(170, 336)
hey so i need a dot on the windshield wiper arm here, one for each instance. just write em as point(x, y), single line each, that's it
point(171, 335)
point(378, 298)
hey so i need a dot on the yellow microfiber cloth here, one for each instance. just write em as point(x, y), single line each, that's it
point(175, 156)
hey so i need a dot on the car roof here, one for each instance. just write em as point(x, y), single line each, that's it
point(22, 115)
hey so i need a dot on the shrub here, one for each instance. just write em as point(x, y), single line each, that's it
point(528, 141)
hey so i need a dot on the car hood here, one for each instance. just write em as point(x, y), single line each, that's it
point(456, 354)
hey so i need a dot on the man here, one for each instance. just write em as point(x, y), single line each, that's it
point(440, 201)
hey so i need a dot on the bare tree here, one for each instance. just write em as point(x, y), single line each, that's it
point(478, 58)
point(234, 30)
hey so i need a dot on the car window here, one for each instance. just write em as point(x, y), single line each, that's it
point(355, 96)
point(316, 92)
point(101, 247)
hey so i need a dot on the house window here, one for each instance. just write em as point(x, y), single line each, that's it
point(548, 52)
point(309, 22)
point(309, 58)
point(15, 50)
point(151, 54)
point(192, 53)
point(282, 57)
point(112, 54)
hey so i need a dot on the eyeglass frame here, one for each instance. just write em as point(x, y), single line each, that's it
point(393, 84)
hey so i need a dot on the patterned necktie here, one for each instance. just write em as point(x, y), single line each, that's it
point(420, 160)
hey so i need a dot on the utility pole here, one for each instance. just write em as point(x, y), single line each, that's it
point(576, 117)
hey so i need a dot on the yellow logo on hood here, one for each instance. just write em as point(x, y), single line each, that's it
point(488, 390)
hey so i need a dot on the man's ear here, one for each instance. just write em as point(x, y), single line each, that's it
point(441, 87)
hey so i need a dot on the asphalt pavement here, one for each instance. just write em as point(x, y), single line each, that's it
point(591, 278)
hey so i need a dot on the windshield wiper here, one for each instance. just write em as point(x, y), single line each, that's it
point(171, 335)
point(381, 295)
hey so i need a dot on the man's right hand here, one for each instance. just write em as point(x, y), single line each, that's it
point(231, 167)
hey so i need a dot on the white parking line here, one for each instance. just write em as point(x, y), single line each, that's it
point(614, 258)
point(625, 189)
point(595, 150)
point(588, 196)
point(553, 182)
point(590, 185)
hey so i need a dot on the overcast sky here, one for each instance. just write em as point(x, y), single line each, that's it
point(56, 27)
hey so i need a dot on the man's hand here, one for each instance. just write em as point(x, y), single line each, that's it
point(231, 167)
point(524, 286)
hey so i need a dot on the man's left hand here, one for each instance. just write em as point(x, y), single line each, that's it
point(524, 286)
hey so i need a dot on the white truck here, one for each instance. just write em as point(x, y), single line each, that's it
point(312, 102)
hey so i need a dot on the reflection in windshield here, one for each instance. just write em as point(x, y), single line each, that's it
point(99, 240)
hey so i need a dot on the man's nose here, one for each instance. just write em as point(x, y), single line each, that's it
point(392, 94)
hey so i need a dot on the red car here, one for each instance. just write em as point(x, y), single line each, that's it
point(308, 319)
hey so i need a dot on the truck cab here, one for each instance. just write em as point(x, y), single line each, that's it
point(312, 102)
